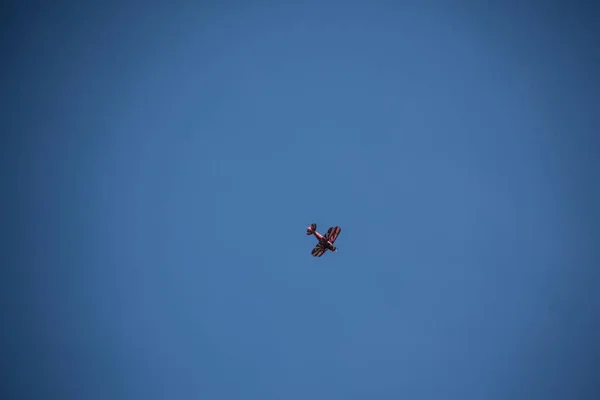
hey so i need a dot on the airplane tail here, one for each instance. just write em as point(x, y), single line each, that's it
point(311, 229)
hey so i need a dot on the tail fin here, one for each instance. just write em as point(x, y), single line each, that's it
point(312, 228)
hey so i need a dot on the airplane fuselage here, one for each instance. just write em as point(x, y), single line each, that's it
point(324, 242)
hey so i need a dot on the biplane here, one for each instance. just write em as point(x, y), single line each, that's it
point(325, 241)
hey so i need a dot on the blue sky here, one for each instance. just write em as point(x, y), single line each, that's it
point(164, 162)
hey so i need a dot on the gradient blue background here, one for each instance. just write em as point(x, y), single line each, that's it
point(161, 164)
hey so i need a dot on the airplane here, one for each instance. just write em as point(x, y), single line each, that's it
point(325, 242)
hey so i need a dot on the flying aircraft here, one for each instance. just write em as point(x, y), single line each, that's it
point(325, 242)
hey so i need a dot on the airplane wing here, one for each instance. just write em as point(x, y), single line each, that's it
point(332, 233)
point(318, 251)
point(328, 234)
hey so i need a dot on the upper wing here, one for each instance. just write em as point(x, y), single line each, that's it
point(332, 233)
point(328, 234)
point(318, 251)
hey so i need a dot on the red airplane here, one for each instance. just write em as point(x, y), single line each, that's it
point(325, 242)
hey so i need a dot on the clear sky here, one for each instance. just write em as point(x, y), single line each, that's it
point(162, 164)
